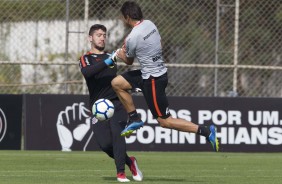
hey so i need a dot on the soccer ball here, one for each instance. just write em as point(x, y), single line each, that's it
point(103, 109)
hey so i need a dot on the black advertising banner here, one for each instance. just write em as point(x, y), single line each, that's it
point(243, 125)
point(59, 122)
point(10, 122)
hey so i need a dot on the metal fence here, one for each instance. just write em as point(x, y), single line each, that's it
point(212, 48)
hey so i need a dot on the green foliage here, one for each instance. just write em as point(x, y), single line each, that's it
point(260, 26)
point(187, 27)
point(13, 71)
point(31, 10)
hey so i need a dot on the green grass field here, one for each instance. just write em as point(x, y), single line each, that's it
point(35, 167)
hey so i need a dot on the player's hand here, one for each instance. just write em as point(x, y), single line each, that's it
point(114, 55)
point(74, 127)
point(120, 53)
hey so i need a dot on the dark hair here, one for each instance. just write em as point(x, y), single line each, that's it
point(96, 27)
point(132, 10)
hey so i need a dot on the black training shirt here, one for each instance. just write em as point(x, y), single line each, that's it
point(98, 76)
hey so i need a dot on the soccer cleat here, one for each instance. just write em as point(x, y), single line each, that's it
point(136, 173)
point(130, 128)
point(121, 177)
point(213, 139)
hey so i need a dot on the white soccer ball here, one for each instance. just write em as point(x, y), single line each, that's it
point(103, 109)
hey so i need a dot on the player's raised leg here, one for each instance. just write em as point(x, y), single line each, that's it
point(121, 87)
point(187, 126)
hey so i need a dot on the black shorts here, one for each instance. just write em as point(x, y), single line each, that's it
point(153, 90)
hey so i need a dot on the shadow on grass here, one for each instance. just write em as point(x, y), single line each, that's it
point(161, 179)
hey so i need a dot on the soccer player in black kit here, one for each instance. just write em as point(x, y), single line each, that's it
point(98, 70)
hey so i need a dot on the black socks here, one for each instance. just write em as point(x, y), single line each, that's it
point(133, 116)
point(204, 131)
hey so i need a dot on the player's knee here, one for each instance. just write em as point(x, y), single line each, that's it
point(165, 123)
point(116, 83)
point(119, 83)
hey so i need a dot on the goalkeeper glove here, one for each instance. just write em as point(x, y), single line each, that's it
point(111, 60)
